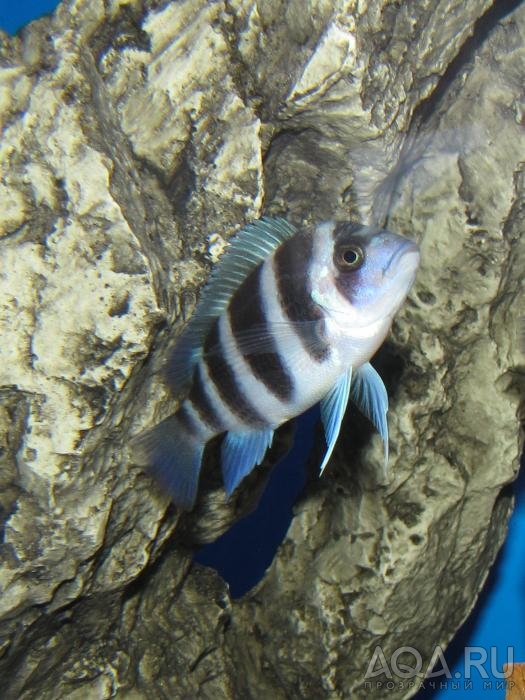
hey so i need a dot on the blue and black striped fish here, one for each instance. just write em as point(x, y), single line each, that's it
point(290, 317)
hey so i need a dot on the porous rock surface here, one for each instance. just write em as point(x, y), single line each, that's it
point(135, 138)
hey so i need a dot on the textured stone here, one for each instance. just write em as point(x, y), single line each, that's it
point(135, 138)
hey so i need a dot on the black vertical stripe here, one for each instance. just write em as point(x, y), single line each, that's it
point(347, 234)
point(186, 421)
point(246, 313)
point(202, 403)
point(292, 268)
point(224, 380)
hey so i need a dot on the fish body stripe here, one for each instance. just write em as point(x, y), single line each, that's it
point(202, 402)
point(246, 312)
point(225, 382)
point(186, 420)
point(291, 269)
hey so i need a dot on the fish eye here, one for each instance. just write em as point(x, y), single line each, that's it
point(350, 257)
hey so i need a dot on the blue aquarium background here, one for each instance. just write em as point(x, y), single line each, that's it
point(244, 553)
point(15, 13)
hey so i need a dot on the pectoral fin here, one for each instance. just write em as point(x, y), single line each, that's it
point(333, 408)
point(240, 453)
point(369, 394)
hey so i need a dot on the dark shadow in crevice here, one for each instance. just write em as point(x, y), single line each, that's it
point(243, 553)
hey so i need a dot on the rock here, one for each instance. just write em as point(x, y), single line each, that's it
point(135, 139)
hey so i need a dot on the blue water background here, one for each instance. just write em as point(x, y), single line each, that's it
point(15, 13)
point(243, 554)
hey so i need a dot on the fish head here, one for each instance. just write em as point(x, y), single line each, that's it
point(372, 271)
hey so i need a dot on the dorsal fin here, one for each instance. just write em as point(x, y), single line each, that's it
point(250, 246)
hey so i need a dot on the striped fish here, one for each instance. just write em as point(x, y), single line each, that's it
point(289, 318)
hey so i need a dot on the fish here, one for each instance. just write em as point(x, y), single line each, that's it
point(290, 317)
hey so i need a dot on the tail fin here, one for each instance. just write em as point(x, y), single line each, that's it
point(174, 457)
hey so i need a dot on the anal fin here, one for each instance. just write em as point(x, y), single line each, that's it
point(240, 453)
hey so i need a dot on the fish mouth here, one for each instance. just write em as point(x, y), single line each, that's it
point(405, 259)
